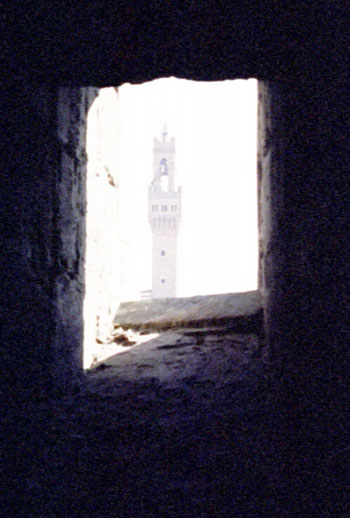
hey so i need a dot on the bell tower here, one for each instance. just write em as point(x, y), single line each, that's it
point(164, 214)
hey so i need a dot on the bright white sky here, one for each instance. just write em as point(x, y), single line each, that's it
point(215, 127)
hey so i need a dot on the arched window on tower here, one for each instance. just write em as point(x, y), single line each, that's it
point(163, 166)
point(164, 176)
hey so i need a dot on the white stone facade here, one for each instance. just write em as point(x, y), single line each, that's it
point(102, 263)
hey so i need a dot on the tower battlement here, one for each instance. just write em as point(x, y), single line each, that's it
point(164, 144)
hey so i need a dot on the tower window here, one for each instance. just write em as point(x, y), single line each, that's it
point(162, 252)
point(154, 208)
point(174, 208)
point(162, 281)
point(164, 208)
point(163, 166)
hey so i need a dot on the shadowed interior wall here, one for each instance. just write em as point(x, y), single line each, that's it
point(29, 236)
point(42, 257)
point(73, 107)
point(301, 54)
point(305, 179)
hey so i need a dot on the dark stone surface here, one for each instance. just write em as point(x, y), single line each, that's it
point(140, 446)
point(107, 43)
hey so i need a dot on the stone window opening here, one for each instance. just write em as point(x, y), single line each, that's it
point(163, 224)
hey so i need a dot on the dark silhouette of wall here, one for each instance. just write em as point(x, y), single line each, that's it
point(301, 56)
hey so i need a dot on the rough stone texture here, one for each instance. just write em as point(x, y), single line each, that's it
point(70, 210)
point(209, 355)
point(115, 42)
point(305, 246)
point(102, 263)
point(42, 255)
point(233, 308)
point(271, 198)
point(173, 427)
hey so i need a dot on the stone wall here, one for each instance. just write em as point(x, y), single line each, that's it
point(271, 200)
point(70, 210)
point(300, 51)
point(30, 164)
point(305, 247)
point(43, 230)
point(102, 264)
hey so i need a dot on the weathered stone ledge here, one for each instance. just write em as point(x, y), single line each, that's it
point(243, 311)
